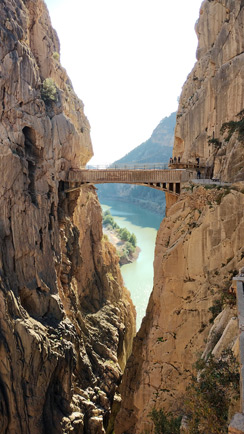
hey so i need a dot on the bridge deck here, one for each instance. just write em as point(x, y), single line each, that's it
point(130, 176)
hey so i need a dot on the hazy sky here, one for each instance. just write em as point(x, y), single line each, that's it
point(127, 60)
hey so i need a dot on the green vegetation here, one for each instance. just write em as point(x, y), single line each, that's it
point(209, 186)
point(49, 91)
point(227, 298)
point(223, 191)
point(215, 142)
point(165, 423)
point(232, 126)
point(122, 233)
point(210, 398)
point(56, 56)
point(109, 221)
point(215, 309)
point(211, 394)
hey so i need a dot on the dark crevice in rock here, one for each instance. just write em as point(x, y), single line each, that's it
point(4, 409)
point(33, 155)
point(31, 187)
point(58, 396)
point(41, 239)
point(3, 96)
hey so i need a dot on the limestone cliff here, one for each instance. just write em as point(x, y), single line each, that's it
point(200, 243)
point(212, 97)
point(66, 321)
point(199, 247)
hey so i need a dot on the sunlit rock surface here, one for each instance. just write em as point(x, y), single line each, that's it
point(66, 321)
point(214, 92)
point(198, 248)
point(200, 243)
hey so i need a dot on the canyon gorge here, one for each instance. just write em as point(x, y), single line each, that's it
point(66, 320)
point(69, 358)
point(199, 245)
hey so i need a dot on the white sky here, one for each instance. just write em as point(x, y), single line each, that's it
point(127, 60)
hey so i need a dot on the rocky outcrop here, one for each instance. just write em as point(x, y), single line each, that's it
point(198, 250)
point(208, 126)
point(66, 321)
point(200, 243)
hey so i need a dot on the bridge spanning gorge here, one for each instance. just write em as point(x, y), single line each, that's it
point(156, 176)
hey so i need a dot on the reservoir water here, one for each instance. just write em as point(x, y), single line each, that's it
point(138, 276)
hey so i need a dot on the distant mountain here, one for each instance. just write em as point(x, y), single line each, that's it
point(157, 149)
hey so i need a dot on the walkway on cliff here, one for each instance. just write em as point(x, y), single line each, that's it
point(156, 175)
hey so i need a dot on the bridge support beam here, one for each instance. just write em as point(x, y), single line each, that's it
point(161, 179)
point(177, 188)
point(171, 199)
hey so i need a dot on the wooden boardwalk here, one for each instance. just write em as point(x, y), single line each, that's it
point(161, 179)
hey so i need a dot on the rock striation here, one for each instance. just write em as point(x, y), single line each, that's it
point(199, 248)
point(199, 245)
point(66, 321)
point(213, 93)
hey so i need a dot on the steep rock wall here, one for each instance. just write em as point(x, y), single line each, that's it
point(200, 242)
point(199, 246)
point(214, 92)
point(66, 321)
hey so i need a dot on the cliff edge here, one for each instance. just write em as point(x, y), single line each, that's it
point(66, 321)
point(209, 122)
point(199, 246)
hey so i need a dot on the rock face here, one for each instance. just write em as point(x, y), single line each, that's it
point(66, 321)
point(199, 247)
point(200, 243)
point(214, 92)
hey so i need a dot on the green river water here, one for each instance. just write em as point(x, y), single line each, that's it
point(138, 276)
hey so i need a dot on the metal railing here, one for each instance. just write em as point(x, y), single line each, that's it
point(210, 181)
point(130, 175)
point(129, 166)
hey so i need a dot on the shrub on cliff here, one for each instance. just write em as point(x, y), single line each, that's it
point(165, 423)
point(232, 126)
point(211, 394)
point(108, 220)
point(56, 56)
point(49, 91)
